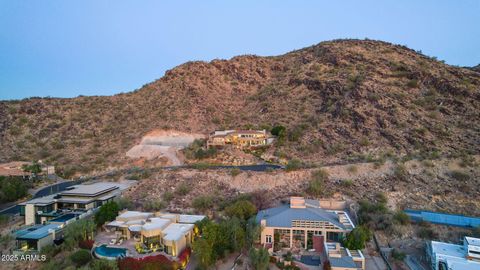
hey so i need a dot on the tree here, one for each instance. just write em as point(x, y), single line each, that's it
point(204, 251)
point(78, 231)
point(242, 209)
point(259, 258)
point(107, 212)
point(278, 131)
point(252, 232)
point(357, 238)
point(81, 257)
point(33, 168)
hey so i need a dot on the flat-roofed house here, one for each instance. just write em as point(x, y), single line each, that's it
point(78, 198)
point(302, 224)
point(454, 257)
point(172, 233)
point(239, 138)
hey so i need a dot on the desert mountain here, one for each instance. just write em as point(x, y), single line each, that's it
point(339, 100)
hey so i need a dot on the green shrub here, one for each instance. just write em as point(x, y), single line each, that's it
point(168, 196)
point(155, 205)
point(401, 217)
point(398, 255)
point(459, 175)
point(352, 169)
point(400, 172)
point(107, 212)
point(183, 189)
point(81, 257)
point(202, 203)
point(278, 131)
point(317, 182)
point(242, 209)
point(357, 238)
point(294, 164)
point(235, 171)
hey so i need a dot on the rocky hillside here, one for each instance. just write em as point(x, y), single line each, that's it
point(344, 99)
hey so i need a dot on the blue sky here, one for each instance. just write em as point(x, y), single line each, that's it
point(71, 48)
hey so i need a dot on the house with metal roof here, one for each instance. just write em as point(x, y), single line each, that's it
point(167, 232)
point(302, 224)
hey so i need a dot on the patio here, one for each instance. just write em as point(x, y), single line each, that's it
point(106, 237)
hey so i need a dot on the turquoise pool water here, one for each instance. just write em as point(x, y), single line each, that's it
point(105, 251)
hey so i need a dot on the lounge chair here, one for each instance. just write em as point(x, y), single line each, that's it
point(113, 241)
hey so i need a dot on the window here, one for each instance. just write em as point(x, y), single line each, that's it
point(268, 239)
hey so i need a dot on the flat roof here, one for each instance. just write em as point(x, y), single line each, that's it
point(36, 232)
point(447, 249)
point(175, 231)
point(156, 223)
point(90, 190)
point(344, 261)
point(190, 218)
point(473, 241)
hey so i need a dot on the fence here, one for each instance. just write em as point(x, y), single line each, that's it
point(443, 218)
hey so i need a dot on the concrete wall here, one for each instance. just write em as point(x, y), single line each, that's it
point(29, 214)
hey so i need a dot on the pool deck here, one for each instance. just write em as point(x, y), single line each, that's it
point(105, 237)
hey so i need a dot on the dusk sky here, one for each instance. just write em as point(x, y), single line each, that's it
point(71, 48)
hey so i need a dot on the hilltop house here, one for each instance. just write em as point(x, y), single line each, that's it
point(170, 233)
point(74, 200)
point(239, 138)
point(445, 256)
point(302, 224)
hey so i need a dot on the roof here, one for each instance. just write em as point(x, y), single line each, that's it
point(473, 241)
point(175, 231)
point(134, 215)
point(36, 232)
point(155, 224)
point(283, 216)
point(344, 261)
point(190, 218)
point(447, 249)
point(90, 190)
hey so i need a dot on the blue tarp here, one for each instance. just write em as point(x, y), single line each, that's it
point(443, 218)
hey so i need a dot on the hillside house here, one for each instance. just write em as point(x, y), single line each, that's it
point(170, 233)
point(241, 139)
point(445, 256)
point(301, 225)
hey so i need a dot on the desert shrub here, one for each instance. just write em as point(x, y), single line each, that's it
point(168, 196)
point(294, 164)
point(154, 205)
point(101, 264)
point(278, 130)
point(364, 141)
point(196, 150)
point(400, 172)
point(124, 203)
point(413, 83)
point(235, 171)
point(202, 203)
point(347, 183)
point(183, 189)
point(426, 233)
point(317, 182)
point(375, 214)
point(459, 175)
point(401, 217)
point(398, 255)
point(352, 169)
point(81, 257)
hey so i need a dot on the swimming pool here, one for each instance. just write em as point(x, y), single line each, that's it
point(64, 218)
point(310, 260)
point(110, 253)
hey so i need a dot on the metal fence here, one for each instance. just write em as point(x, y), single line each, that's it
point(443, 218)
